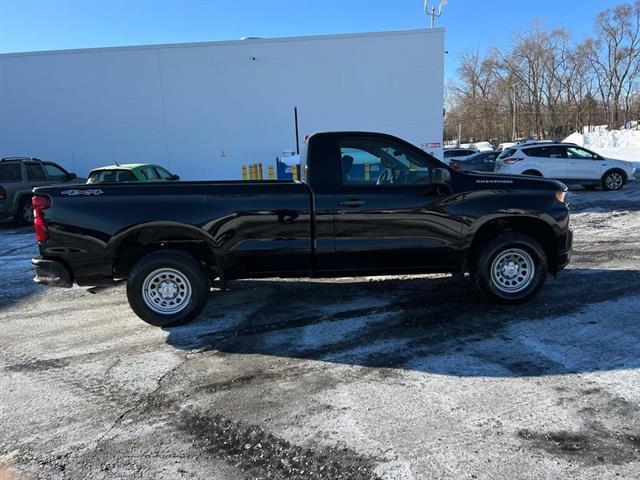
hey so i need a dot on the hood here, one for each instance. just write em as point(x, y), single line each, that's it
point(623, 163)
point(482, 181)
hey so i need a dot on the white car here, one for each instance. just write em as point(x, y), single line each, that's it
point(567, 162)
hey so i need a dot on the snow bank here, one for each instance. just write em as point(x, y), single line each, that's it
point(618, 144)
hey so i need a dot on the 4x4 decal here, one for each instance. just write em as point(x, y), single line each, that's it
point(75, 192)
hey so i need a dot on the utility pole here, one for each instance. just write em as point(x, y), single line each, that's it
point(513, 131)
point(432, 13)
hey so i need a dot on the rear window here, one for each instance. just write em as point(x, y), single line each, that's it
point(458, 153)
point(508, 152)
point(545, 152)
point(10, 172)
point(111, 176)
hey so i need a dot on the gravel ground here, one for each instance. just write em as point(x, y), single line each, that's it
point(392, 378)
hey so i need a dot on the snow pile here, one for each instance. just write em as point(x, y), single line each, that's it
point(483, 146)
point(618, 144)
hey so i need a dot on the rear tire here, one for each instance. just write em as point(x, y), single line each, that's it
point(25, 211)
point(167, 288)
point(613, 180)
point(510, 269)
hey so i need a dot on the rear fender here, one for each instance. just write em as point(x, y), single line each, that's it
point(162, 233)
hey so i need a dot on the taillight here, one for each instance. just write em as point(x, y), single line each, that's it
point(40, 203)
point(456, 167)
point(513, 160)
point(3, 194)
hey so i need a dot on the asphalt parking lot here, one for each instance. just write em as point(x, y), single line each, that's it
point(357, 378)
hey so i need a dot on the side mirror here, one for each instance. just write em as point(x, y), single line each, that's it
point(175, 177)
point(440, 176)
point(71, 176)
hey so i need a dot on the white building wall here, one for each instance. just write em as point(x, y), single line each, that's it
point(203, 110)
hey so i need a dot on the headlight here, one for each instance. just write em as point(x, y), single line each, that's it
point(561, 196)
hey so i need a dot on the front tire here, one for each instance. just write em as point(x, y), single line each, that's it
point(512, 268)
point(167, 288)
point(613, 180)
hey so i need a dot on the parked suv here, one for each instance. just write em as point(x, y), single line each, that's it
point(18, 176)
point(567, 162)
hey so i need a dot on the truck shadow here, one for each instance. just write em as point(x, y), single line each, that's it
point(584, 321)
point(599, 201)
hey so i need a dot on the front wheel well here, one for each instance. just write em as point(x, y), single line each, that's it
point(532, 172)
point(619, 170)
point(537, 229)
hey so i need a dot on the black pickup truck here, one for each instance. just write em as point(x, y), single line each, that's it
point(368, 204)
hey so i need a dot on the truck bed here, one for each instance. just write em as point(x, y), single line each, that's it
point(90, 225)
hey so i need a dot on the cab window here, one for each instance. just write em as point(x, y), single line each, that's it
point(163, 174)
point(150, 173)
point(379, 162)
point(35, 171)
point(55, 172)
point(581, 153)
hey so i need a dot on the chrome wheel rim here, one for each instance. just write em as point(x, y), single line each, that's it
point(166, 291)
point(614, 181)
point(512, 270)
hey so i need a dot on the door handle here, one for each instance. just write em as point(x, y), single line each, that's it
point(353, 203)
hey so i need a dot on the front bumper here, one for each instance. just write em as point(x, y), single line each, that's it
point(51, 272)
point(563, 256)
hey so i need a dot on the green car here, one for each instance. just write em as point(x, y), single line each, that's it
point(131, 172)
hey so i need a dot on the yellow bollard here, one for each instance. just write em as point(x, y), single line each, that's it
point(272, 173)
point(260, 176)
point(244, 173)
point(294, 172)
point(252, 172)
point(367, 172)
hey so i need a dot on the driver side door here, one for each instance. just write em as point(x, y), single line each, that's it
point(387, 215)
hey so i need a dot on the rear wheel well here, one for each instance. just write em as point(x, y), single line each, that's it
point(536, 229)
point(135, 247)
point(22, 198)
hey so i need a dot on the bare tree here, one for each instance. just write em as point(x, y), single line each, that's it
point(544, 85)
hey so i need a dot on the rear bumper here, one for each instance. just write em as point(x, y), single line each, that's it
point(563, 256)
point(51, 272)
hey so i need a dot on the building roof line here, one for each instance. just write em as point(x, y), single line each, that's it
point(223, 43)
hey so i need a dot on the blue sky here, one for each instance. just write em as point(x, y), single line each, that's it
point(27, 25)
